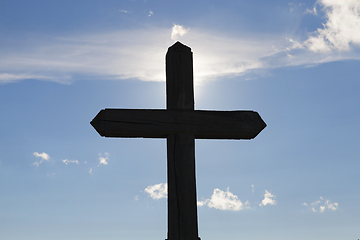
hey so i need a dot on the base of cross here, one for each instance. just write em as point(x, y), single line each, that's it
point(199, 239)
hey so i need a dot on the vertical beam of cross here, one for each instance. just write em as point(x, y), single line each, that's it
point(182, 200)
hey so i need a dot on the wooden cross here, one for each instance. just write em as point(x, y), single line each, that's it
point(180, 124)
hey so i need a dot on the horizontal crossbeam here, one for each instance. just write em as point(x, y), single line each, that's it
point(154, 123)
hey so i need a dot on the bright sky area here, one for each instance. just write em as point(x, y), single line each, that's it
point(294, 62)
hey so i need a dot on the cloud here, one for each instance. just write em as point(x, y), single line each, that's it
point(70, 161)
point(224, 201)
point(322, 205)
point(139, 54)
point(221, 200)
point(104, 160)
point(341, 29)
point(268, 199)
point(252, 188)
point(43, 157)
point(90, 170)
point(112, 55)
point(178, 30)
point(157, 191)
point(151, 13)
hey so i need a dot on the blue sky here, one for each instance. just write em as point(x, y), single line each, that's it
point(294, 62)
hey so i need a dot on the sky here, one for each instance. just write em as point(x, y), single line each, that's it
point(294, 62)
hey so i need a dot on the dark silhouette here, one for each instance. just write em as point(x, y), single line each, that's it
point(180, 124)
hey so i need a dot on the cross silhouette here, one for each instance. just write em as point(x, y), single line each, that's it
point(180, 124)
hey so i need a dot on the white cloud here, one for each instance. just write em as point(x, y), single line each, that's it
point(224, 201)
point(151, 13)
point(104, 160)
point(123, 11)
point(157, 191)
point(252, 188)
point(322, 205)
point(219, 200)
point(90, 171)
point(43, 157)
point(268, 199)
point(331, 206)
point(341, 29)
point(178, 30)
point(70, 161)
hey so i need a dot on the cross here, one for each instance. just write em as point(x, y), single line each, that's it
point(180, 124)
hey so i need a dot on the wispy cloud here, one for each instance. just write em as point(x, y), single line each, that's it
point(224, 200)
point(157, 191)
point(70, 161)
point(268, 199)
point(311, 11)
point(294, 5)
point(322, 205)
point(341, 29)
point(104, 160)
point(139, 54)
point(13, 77)
point(111, 55)
point(43, 157)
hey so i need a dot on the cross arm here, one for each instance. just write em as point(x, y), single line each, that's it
point(153, 123)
